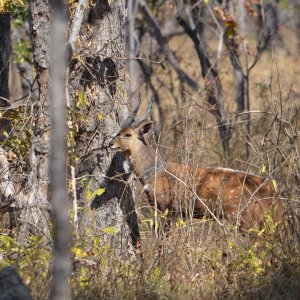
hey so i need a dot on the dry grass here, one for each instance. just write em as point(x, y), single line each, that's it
point(198, 260)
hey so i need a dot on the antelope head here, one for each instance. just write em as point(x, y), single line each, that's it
point(134, 133)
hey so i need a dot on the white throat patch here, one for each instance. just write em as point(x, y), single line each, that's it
point(146, 187)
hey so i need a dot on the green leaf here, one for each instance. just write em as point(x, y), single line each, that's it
point(5, 134)
point(110, 230)
point(81, 101)
point(8, 241)
point(91, 195)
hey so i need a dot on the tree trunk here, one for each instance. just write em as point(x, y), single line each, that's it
point(58, 158)
point(4, 57)
point(296, 11)
point(98, 94)
point(98, 97)
point(4, 68)
point(34, 216)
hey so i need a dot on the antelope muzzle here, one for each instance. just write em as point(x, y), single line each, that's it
point(114, 144)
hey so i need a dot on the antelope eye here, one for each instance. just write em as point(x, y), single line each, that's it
point(128, 135)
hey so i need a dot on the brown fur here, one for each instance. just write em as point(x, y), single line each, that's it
point(242, 198)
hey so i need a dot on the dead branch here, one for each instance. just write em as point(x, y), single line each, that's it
point(75, 27)
point(164, 48)
point(212, 83)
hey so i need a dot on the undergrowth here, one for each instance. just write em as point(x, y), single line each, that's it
point(232, 266)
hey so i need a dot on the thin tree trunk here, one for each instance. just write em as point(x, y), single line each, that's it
point(58, 163)
point(296, 8)
point(4, 57)
point(4, 69)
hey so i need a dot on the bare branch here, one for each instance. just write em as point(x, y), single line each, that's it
point(147, 71)
point(130, 118)
point(165, 48)
point(212, 83)
point(75, 27)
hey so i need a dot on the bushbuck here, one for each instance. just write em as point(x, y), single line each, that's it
point(239, 197)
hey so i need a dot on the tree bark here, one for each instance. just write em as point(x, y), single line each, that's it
point(4, 57)
point(98, 100)
point(97, 78)
point(4, 68)
point(34, 217)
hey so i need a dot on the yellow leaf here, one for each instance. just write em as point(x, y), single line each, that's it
point(110, 230)
point(180, 223)
point(91, 195)
point(5, 134)
point(81, 101)
point(78, 252)
point(100, 117)
point(263, 170)
point(274, 184)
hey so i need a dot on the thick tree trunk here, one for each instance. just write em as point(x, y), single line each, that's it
point(34, 216)
point(6, 189)
point(97, 89)
point(98, 101)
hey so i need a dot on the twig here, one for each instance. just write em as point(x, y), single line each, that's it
point(75, 205)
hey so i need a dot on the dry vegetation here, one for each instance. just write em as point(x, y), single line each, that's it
point(198, 260)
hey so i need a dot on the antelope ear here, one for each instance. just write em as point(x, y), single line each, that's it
point(146, 128)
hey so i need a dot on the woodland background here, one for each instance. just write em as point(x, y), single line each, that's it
point(225, 80)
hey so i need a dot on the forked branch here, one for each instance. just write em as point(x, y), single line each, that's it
point(212, 83)
point(164, 46)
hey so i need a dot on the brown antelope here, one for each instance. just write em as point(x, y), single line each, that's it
point(242, 198)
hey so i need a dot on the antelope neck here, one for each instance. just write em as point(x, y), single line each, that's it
point(145, 162)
